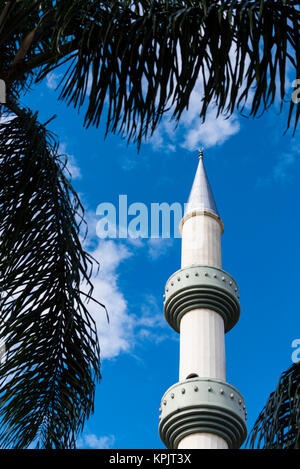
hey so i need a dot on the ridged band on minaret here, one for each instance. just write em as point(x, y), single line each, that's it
point(195, 213)
point(202, 405)
point(201, 287)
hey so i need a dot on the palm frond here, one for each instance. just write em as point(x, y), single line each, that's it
point(52, 358)
point(278, 424)
point(144, 57)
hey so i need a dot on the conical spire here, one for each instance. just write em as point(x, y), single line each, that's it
point(201, 196)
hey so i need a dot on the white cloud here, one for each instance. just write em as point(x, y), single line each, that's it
point(164, 137)
point(214, 131)
point(52, 80)
point(91, 441)
point(210, 133)
point(151, 316)
point(73, 168)
point(128, 324)
point(191, 133)
point(151, 323)
point(282, 171)
point(116, 335)
point(158, 247)
point(135, 242)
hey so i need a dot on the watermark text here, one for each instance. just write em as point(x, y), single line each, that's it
point(296, 93)
point(296, 353)
point(137, 220)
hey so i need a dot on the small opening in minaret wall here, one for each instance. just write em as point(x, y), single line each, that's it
point(192, 375)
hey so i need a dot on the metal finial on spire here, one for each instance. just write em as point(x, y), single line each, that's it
point(200, 153)
point(201, 196)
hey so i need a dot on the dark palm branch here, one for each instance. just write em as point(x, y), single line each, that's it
point(143, 57)
point(52, 355)
point(278, 424)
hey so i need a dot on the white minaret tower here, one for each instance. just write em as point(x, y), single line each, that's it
point(202, 411)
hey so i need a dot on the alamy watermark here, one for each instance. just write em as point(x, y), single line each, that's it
point(2, 92)
point(296, 353)
point(137, 220)
point(296, 93)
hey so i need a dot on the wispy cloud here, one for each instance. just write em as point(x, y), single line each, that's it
point(191, 132)
point(214, 131)
point(151, 323)
point(129, 324)
point(116, 335)
point(52, 80)
point(158, 247)
point(282, 171)
point(91, 441)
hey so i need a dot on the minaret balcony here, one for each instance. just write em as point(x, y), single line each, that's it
point(203, 405)
point(201, 286)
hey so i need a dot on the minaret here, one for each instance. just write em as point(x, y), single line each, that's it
point(202, 411)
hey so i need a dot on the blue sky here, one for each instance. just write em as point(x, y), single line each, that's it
point(254, 171)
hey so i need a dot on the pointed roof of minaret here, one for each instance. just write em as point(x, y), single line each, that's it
point(201, 196)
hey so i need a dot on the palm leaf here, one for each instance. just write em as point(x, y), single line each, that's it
point(144, 57)
point(51, 362)
point(278, 424)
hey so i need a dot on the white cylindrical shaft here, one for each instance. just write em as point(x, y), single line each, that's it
point(202, 441)
point(202, 335)
point(201, 241)
point(202, 345)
